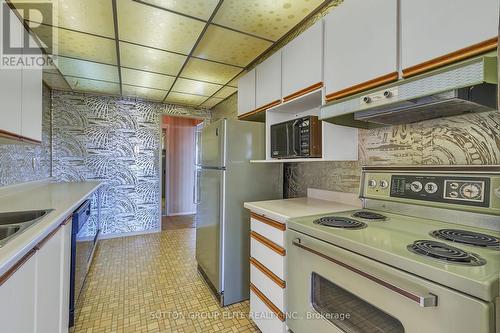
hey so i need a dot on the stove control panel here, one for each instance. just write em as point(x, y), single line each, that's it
point(473, 191)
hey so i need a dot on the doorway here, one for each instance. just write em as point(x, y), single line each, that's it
point(179, 151)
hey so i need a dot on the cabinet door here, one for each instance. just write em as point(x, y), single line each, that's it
point(31, 123)
point(65, 276)
point(17, 299)
point(246, 93)
point(11, 84)
point(360, 46)
point(303, 63)
point(48, 300)
point(268, 81)
point(432, 29)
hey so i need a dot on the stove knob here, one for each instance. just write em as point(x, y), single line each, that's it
point(497, 192)
point(454, 194)
point(383, 184)
point(416, 186)
point(372, 183)
point(431, 187)
point(454, 186)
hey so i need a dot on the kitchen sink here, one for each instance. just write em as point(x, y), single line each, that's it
point(13, 224)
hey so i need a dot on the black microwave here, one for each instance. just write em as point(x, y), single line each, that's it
point(296, 138)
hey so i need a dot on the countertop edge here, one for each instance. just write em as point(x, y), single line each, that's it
point(5, 265)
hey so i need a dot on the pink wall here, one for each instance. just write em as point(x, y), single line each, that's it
point(180, 146)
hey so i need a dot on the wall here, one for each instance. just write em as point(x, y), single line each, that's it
point(16, 160)
point(181, 149)
point(114, 140)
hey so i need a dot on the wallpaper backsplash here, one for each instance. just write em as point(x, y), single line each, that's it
point(116, 141)
point(21, 163)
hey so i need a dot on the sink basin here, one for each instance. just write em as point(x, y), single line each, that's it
point(13, 224)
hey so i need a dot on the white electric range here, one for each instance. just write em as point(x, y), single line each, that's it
point(423, 255)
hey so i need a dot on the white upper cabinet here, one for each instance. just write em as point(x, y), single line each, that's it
point(452, 29)
point(246, 93)
point(268, 81)
point(31, 123)
point(360, 46)
point(303, 63)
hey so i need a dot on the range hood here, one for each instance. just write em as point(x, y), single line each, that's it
point(467, 87)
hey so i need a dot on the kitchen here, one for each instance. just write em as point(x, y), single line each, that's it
point(348, 177)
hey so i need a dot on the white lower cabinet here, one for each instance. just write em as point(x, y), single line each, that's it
point(267, 275)
point(65, 276)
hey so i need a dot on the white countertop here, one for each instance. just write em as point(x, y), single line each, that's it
point(317, 202)
point(63, 198)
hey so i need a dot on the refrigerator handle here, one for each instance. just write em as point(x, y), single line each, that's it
point(196, 190)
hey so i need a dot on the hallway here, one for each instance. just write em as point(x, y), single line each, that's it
point(149, 283)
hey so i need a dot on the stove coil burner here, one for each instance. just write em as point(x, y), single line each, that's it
point(340, 222)
point(369, 215)
point(444, 252)
point(467, 237)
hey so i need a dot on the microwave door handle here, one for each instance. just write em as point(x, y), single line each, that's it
point(426, 300)
point(294, 137)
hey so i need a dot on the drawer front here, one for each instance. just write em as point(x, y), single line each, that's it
point(268, 287)
point(263, 317)
point(270, 232)
point(269, 258)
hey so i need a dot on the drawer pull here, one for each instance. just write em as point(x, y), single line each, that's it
point(268, 221)
point(266, 242)
point(266, 271)
point(267, 302)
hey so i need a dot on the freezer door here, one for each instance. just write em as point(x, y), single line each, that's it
point(208, 224)
point(212, 145)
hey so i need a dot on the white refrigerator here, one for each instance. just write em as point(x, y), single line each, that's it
point(225, 180)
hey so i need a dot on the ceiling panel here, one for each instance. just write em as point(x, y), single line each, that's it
point(87, 69)
point(149, 26)
point(195, 87)
point(201, 9)
point(211, 102)
point(199, 69)
point(80, 45)
point(146, 79)
point(148, 59)
point(55, 81)
point(144, 93)
point(269, 19)
point(234, 82)
point(229, 47)
point(93, 86)
point(186, 99)
point(226, 92)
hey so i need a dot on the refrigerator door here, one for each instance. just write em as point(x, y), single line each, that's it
point(212, 145)
point(208, 224)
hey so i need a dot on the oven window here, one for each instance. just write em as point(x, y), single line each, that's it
point(349, 312)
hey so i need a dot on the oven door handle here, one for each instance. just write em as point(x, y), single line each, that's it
point(427, 300)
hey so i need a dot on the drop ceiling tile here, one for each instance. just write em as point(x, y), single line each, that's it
point(199, 69)
point(149, 26)
point(55, 81)
point(211, 102)
point(146, 79)
point(186, 99)
point(195, 87)
point(152, 60)
point(234, 82)
point(268, 19)
point(201, 9)
point(91, 16)
point(87, 69)
point(144, 93)
point(229, 47)
point(93, 86)
point(80, 45)
point(226, 92)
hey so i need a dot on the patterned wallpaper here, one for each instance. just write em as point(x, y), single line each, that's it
point(116, 141)
point(21, 163)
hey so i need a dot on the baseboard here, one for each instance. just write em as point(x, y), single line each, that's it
point(127, 234)
point(178, 214)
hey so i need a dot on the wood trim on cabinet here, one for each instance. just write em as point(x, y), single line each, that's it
point(16, 266)
point(467, 52)
point(262, 108)
point(268, 221)
point(17, 137)
point(48, 237)
point(264, 241)
point(267, 272)
point(303, 91)
point(362, 86)
point(268, 303)
point(67, 221)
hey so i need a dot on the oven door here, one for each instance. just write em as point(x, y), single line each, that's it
point(330, 289)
